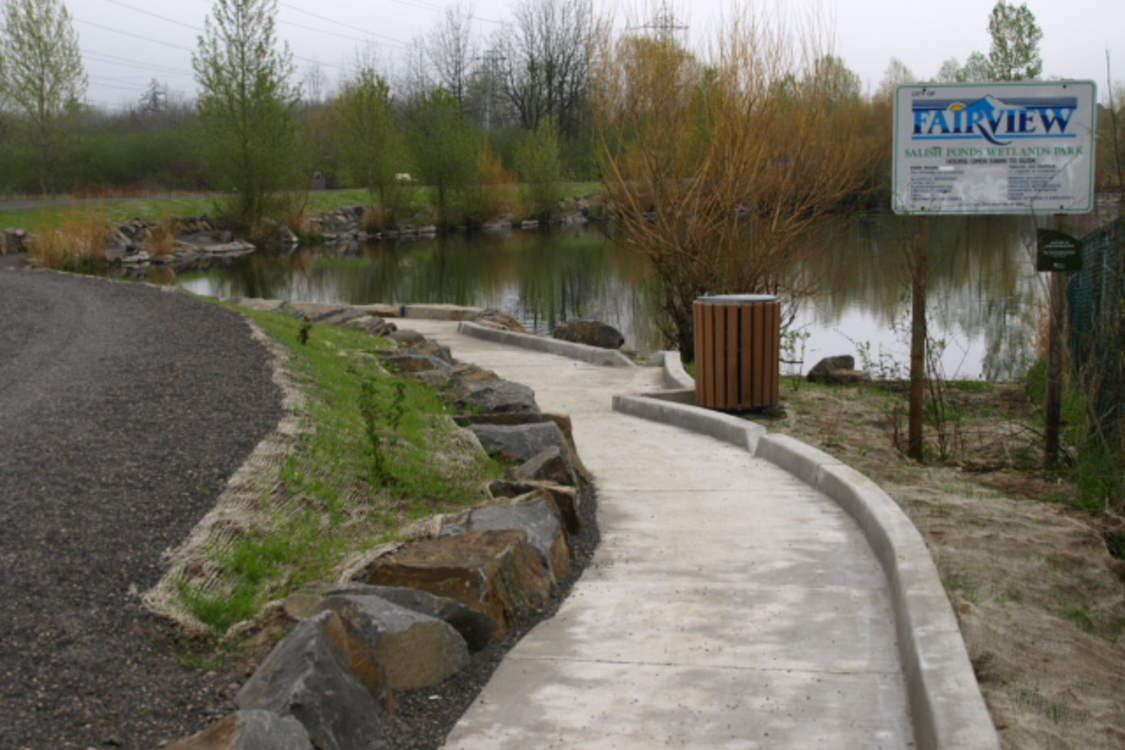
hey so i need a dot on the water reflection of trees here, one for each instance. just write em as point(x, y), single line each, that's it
point(983, 290)
point(982, 283)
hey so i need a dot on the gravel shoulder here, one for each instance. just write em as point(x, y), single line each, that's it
point(123, 411)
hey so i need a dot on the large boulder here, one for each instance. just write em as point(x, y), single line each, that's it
point(411, 650)
point(372, 325)
point(500, 396)
point(514, 419)
point(325, 313)
point(499, 321)
point(305, 677)
point(498, 573)
point(249, 730)
point(523, 442)
point(550, 465)
point(535, 513)
point(837, 370)
point(412, 364)
point(590, 333)
point(568, 500)
point(475, 628)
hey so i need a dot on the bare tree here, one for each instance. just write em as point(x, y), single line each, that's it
point(453, 52)
point(723, 173)
point(415, 82)
point(547, 68)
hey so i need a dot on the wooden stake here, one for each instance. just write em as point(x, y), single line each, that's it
point(1057, 304)
point(919, 276)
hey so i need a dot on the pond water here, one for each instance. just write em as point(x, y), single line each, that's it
point(983, 299)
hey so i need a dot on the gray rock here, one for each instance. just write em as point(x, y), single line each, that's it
point(322, 312)
point(303, 677)
point(838, 370)
point(250, 730)
point(520, 443)
point(536, 514)
point(500, 396)
point(590, 333)
point(373, 325)
point(476, 628)
point(410, 649)
point(500, 321)
point(548, 466)
point(567, 499)
point(410, 363)
point(407, 337)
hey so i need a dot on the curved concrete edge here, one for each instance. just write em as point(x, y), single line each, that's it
point(675, 376)
point(589, 354)
point(729, 429)
point(946, 704)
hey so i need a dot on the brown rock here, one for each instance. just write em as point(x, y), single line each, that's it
point(498, 573)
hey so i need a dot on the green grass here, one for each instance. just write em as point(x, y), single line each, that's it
point(336, 494)
point(156, 208)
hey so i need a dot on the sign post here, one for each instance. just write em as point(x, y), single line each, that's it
point(992, 148)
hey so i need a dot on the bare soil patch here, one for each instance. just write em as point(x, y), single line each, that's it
point(1038, 594)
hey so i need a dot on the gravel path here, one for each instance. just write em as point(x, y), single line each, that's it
point(123, 409)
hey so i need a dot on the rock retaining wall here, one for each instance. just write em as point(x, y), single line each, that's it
point(412, 614)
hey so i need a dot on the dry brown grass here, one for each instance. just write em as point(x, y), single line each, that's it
point(499, 187)
point(161, 239)
point(78, 242)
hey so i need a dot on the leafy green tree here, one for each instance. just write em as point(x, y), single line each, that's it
point(42, 79)
point(446, 152)
point(897, 74)
point(540, 169)
point(977, 69)
point(949, 71)
point(1014, 55)
point(371, 146)
point(246, 107)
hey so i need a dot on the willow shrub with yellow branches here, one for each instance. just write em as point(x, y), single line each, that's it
point(725, 172)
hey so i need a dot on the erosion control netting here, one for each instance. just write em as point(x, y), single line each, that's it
point(239, 509)
point(1097, 325)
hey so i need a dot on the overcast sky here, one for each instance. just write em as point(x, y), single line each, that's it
point(127, 43)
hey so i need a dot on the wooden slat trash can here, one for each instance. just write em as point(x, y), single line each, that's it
point(737, 351)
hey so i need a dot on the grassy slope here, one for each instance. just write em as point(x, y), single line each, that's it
point(334, 496)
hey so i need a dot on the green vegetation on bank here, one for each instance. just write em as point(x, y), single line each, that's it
point(374, 454)
point(157, 208)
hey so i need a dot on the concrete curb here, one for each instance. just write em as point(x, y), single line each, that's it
point(589, 354)
point(723, 427)
point(946, 704)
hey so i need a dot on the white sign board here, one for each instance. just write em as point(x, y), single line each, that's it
point(995, 148)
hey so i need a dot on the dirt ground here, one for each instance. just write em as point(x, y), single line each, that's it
point(1039, 597)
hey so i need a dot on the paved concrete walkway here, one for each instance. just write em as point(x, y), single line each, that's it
point(730, 605)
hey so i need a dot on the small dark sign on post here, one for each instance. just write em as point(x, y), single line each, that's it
point(1058, 251)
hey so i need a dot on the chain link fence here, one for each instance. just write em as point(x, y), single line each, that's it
point(1097, 335)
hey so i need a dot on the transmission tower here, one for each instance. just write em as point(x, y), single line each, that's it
point(664, 23)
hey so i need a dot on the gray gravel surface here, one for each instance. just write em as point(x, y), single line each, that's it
point(123, 410)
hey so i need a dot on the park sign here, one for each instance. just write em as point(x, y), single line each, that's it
point(994, 148)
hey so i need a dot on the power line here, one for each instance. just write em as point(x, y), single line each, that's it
point(130, 34)
point(351, 27)
point(154, 15)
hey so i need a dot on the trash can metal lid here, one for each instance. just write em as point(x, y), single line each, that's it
point(736, 299)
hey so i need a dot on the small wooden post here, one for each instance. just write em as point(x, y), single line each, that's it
point(1057, 313)
point(920, 272)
